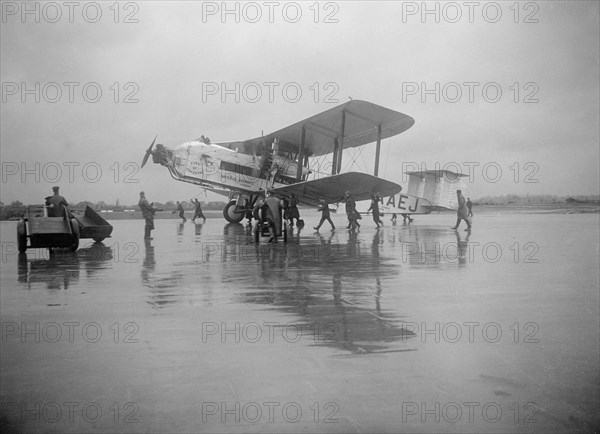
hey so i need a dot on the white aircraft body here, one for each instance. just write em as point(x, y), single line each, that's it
point(283, 161)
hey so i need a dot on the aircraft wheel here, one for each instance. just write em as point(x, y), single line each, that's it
point(21, 237)
point(257, 232)
point(285, 233)
point(99, 239)
point(75, 230)
point(231, 215)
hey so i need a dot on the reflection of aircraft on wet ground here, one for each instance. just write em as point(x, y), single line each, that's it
point(287, 161)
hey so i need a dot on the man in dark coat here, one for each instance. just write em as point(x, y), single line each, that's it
point(55, 203)
point(148, 213)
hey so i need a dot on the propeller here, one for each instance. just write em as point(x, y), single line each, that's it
point(148, 152)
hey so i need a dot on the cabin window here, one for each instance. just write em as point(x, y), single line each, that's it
point(239, 168)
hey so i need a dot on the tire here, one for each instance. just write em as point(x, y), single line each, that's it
point(285, 233)
point(257, 232)
point(21, 236)
point(231, 215)
point(75, 231)
point(98, 239)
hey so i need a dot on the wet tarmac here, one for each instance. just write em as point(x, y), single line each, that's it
point(411, 328)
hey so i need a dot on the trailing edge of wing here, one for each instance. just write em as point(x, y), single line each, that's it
point(332, 188)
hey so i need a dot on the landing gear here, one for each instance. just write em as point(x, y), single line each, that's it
point(231, 214)
point(21, 236)
point(75, 232)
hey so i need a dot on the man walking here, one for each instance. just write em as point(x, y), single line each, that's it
point(462, 213)
point(197, 210)
point(181, 211)
point(324, 208)
point(469, 207)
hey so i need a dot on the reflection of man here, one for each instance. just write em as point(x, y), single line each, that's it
point(462, 213)
point(148, 213)
point(55, 203)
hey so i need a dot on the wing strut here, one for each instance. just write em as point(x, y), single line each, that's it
point(377, 151)
point(301, 155)
point(341, 143)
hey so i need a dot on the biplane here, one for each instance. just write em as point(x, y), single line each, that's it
point(283, 161)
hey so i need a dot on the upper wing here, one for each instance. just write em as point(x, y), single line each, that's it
point(332, 188)
point(321, 131)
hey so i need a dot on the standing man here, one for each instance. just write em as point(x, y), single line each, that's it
point(324, 208)
point(180, 210)
point(469, 207)
point(462, 213)
point(148, 213)
point(55, 203)
point(197, 210)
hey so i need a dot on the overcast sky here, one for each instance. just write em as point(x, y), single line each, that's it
point(539, 136)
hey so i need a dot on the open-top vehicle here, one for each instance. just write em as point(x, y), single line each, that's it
point(93, 225)
point(37, 230)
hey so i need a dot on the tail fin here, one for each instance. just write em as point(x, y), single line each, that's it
point(438, 187)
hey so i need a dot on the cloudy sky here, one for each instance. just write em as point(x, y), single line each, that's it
point(509, 94)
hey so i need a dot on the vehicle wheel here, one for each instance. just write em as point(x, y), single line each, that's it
point(99, 239)
point(75, 230)
point(230, 213)
point(21, 237)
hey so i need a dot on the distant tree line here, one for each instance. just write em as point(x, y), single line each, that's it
point(16, 208)
point(534, 199)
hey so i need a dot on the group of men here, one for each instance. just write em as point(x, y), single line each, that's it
point(273, 207)
point(148, 211)
point(197, 210)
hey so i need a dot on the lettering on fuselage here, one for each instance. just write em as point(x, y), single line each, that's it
point(405, 203)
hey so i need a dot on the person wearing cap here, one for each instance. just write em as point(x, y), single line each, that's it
point(463, 212)
point(55, 203)
point(324, 208)
point(148, 213)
